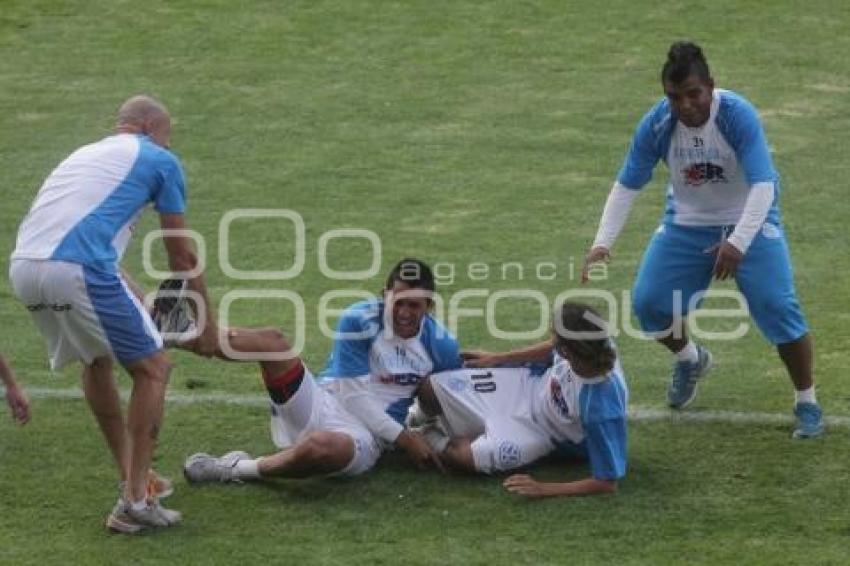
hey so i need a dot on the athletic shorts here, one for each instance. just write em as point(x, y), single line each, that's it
point(493, 408)
point(676, 260)
point(83, 313)
point(313, 409)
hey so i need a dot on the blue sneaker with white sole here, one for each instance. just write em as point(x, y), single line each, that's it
point(809, 420)
point(683, 383)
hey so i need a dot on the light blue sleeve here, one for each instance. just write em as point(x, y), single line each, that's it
point(443, 347)
point(170, 197)
point(642, 155)
point(739, 123)
point(606, 445)
point(350, 353)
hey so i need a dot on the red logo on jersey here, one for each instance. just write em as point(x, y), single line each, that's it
point(701, 173)
point(403, 379)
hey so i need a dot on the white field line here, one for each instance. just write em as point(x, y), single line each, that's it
point(636, 412)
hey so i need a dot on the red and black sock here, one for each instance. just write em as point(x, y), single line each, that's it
point(282, 387)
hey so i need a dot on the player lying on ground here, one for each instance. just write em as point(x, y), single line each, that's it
point(341, 424)
point(500, 419)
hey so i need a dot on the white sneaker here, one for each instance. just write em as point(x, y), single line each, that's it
point(124, 519)
point(202, 467)
point(119, 521)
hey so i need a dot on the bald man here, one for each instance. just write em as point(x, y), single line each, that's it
point(65, 269)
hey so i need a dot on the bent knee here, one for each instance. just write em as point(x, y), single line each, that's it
point(654, 311)
point(326, 448)
point(155, 368)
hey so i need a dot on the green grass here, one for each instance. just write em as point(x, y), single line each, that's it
point(460, 132)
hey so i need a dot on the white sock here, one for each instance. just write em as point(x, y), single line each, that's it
point(247, 469)
point(805, 396)
point(138, 505)
point(689, 353)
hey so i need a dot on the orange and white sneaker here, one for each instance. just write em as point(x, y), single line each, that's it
point(159, 486)
point(126, 520)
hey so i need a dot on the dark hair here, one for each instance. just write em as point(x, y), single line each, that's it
point(581, 331)
point(683, 60)
point(413, 272)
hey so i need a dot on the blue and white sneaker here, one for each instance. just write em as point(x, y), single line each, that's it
point(809, 421)
point(683, 383)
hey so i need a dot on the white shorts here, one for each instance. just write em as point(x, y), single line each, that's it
point(312, 409)
point(83, 313)
point(493, 408)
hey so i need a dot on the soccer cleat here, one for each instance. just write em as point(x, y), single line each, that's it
point(171, 312)
point(201, 467)
point(683, 384)
point(124, 519)
point(809, 421)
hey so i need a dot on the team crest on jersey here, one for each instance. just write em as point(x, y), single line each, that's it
point(510, 454)
point(557, 395)
point(457, 384)
point(700, 173)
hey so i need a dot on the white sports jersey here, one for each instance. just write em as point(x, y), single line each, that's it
point(566, 404)
point(394, 366)
point(517, 417)
point(85, 210)
point(711, 167)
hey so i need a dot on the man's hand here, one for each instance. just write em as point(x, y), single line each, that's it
point(207, 342)
point(526, 485)
point(19, 404)
point(728, 259)
point(419, 451)
point(595, 255)
point(480, 359)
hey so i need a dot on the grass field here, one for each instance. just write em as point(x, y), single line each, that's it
point(464, 133)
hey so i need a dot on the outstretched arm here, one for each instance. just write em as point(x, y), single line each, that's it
point(606, 451)
point(181, 257)
point(539, 352)
point(526, 485)
point(614, 217)
point(636, 172)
